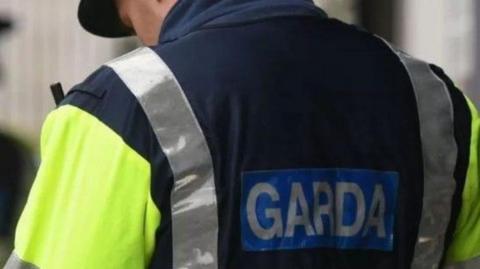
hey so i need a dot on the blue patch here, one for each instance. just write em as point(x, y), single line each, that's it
point(318, 208)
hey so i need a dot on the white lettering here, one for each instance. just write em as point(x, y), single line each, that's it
point(342, 189)
point(378, 206)
point(272, 213)
point(297, 198)
point(323, 210)
point(338, 209)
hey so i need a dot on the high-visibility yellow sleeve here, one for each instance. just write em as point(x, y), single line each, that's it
point(90, 206)
point(466, 242)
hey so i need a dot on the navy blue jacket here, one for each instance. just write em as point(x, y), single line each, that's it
point(319, 118)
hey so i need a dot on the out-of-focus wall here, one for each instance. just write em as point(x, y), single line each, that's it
point(442, 32)
point(475, 86)
point(345, 10)
point(47, 44)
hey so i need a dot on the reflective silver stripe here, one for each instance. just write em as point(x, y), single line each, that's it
point(440, 151)
point(14, 262)
point(194, 202)
point(471, 264)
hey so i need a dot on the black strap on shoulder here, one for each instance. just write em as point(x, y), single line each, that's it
point(57, 92)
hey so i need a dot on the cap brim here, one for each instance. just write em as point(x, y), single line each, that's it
point(100, 17)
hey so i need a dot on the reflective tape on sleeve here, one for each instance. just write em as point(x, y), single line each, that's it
point(193, 199)
point(436, 115)
point(14, 262)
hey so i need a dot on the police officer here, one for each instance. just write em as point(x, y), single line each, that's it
point(253, 134)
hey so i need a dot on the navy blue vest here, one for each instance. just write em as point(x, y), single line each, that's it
point(313, 129)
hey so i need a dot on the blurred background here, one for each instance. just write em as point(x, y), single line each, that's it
point(45, 44)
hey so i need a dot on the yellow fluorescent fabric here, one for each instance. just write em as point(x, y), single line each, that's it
point(466, 243)
point(90, 206)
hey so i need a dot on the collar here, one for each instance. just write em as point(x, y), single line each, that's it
point(190, 15)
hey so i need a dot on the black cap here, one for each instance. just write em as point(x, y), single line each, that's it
point(100, 17)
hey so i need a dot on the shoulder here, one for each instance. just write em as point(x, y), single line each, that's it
point(105, 97)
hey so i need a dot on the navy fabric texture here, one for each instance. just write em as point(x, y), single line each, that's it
point(278, 85)
point(189, 15)
point(299, 92)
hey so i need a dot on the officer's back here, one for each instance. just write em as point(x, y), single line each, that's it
point(292, 108)
point(280, 138)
